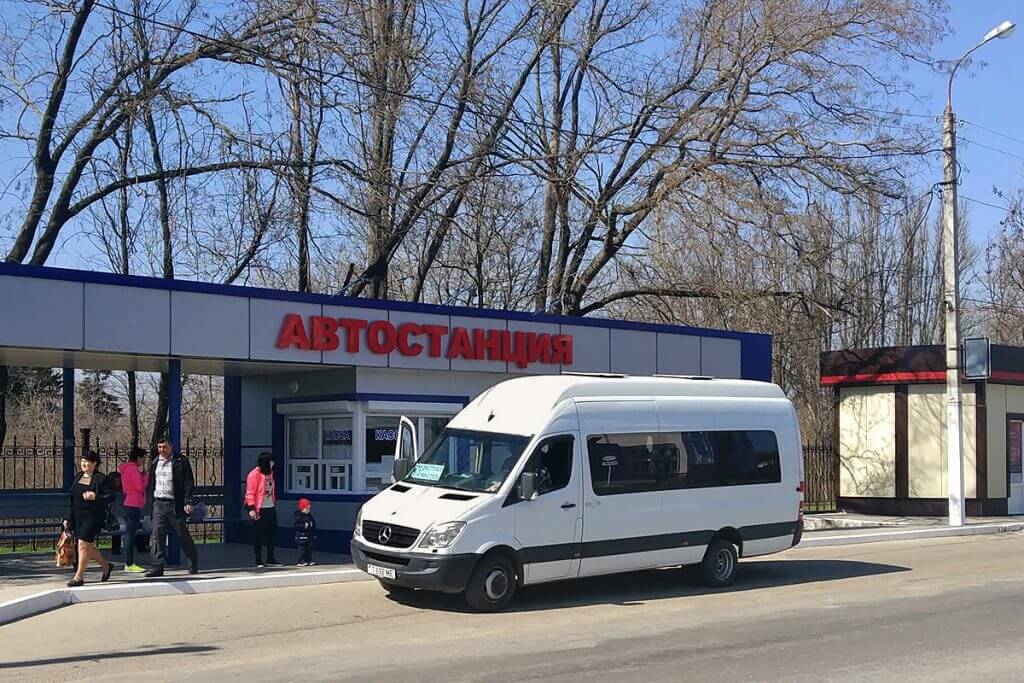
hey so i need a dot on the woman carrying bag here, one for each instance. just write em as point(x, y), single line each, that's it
point(88, 499)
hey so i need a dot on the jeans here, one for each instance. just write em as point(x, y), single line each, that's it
point(164, 522)
point(265, 527)
point(132, 522)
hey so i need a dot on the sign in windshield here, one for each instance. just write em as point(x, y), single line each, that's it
point(468, 460)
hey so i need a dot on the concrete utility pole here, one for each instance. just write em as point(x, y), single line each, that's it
point(951, 292)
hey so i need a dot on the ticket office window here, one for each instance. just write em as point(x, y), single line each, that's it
point(348, 452)
point(320, 454)
point(381, 437)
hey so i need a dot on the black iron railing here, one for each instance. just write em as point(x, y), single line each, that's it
point(32, 467)
point(35, 467)
point(821, 477)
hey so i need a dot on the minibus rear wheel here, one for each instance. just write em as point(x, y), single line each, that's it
point(718, 568)
point(492, 585)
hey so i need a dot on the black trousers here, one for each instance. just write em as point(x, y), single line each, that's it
point(306, 551)
point(265, 527)
point(165, 521)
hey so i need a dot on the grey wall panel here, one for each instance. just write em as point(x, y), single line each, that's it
point(479, 365)
point(406, 382)
point(145, 329)
point(341, 356)
point(40, 313)
point(678, 354)
point(536, 328)
point(634, 352)
point(209, 325)
point(720, 357)
point(265, 319)
point(423, 360)
point(591, 349)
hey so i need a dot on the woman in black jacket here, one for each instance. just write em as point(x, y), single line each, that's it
point(88, 499)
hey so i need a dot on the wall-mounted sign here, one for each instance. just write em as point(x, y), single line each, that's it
point(333, 437)
point(977, 358)
point(381, 337)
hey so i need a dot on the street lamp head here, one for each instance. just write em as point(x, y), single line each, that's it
point(1002, 31)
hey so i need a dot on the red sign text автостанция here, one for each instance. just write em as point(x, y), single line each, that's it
point(382, 337)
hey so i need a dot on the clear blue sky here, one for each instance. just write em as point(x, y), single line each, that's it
point(990, 94)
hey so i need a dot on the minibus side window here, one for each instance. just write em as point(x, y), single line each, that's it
point(551, 461)
point(666, 461)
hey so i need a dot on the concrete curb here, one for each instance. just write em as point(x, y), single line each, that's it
point(809, 540)
point(45, 601)
point(813, 524)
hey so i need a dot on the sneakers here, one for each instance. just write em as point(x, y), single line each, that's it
point(259, 564)
point(274, 563)
point(134, 569)
point(302, 564)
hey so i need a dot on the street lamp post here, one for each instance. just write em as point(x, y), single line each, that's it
point(951, 291)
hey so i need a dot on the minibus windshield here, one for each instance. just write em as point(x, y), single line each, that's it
point(468, 460)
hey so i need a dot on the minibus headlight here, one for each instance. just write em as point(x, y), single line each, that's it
point(358, 531)
point(442, 535)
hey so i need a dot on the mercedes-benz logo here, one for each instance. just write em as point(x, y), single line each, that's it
point(385, 535)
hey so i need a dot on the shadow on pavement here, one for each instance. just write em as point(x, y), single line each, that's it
point(101, 656)
point(636, 588)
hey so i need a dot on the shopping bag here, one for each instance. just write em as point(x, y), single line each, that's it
point(65, 551)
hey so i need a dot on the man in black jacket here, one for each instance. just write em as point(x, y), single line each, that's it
point(169, 492)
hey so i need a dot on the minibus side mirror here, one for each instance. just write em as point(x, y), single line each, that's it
point(528, 486)
point(400, 468)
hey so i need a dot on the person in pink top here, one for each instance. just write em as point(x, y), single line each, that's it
point(261, 502)
point(133, 484)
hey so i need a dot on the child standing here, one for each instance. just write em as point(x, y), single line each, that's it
point(305, 532)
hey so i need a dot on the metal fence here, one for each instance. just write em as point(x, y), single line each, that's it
point(821, 470)
point(39, 466)
point(35, 467)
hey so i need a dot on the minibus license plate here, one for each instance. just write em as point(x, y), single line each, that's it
point(382, 572)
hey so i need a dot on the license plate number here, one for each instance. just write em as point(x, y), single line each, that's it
point(382, 572)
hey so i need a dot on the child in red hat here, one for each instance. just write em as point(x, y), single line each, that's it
point(305, 532)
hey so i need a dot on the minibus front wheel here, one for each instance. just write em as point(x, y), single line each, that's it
point(492, 584)
point(718, 568)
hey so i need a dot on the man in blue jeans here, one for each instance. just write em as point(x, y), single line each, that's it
point(133, 485)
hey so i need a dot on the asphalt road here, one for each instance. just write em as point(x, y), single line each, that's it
point(941, 610)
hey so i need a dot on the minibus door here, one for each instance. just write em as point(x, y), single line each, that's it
point(550, 526)
point(406, 448)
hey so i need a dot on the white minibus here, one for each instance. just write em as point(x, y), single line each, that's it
point(556, 477)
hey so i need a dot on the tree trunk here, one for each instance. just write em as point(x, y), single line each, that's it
point(133, 408)
point(160, 420)
point(165, 218)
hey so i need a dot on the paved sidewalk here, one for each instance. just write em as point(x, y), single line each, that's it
point(25, 574)
point(847, 520)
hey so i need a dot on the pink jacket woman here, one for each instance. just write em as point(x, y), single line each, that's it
point(255, 490)
point(261, 502)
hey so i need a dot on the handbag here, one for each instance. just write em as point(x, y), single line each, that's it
point(64, 554)
point(110, 522)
